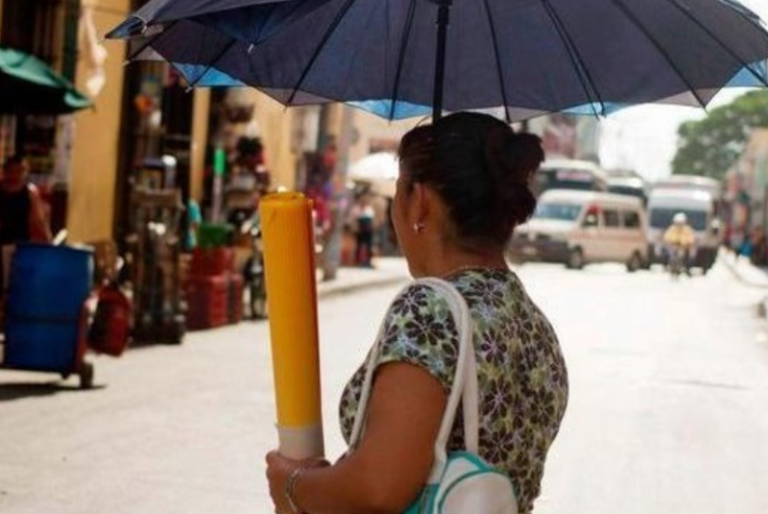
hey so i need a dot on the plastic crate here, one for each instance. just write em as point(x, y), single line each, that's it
point(207, 262)
point(208, 301)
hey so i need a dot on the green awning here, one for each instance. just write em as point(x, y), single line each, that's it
point(29, 86)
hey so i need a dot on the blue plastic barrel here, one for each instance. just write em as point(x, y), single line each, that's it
point(47, 287)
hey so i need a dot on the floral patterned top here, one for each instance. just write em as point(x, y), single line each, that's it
point(522, 376)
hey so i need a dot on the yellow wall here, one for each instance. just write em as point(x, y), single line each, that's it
point(199, 137)
point(95, 149)
point(275, 129)
point(96, 142)
point(275, 132)
point(95, 145)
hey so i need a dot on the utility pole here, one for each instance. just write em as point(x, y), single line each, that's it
point(323, 132)
point(332, 259)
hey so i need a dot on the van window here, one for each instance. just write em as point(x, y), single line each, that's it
point(631, 219)
point(611, 218)
point(557, 211)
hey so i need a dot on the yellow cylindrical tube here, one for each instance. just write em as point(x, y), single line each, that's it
point(289, 268)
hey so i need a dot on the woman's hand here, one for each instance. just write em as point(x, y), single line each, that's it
point(278, 470)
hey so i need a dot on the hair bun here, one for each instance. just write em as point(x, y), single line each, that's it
point(513, 157)
point(525, 155)
point(480, 168)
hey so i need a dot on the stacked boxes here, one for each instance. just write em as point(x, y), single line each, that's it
point(235, 292)
point(214, 289)
point(207, 301)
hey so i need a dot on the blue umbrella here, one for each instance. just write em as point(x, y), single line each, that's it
point(514, 58)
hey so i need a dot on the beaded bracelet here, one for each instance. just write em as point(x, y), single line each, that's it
point(290, 487)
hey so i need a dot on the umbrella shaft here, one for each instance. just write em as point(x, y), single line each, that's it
point(443, 20)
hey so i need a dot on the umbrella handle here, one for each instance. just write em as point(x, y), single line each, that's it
point(443, 20)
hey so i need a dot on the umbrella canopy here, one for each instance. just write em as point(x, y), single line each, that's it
point(513, 58)
point(380, 170)
point(29, 86)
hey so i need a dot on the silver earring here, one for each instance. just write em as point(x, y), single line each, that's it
point(418, 227)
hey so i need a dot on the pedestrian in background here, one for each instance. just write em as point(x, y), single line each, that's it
point(21, 215)
point(463, 187)
point(194, 220)
point(759, 251)
point(745, 246)
point(21, 207)
point(364, 216)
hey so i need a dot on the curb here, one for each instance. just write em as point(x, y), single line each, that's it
point(360, 287)
point(762, 305)
point(732, 268)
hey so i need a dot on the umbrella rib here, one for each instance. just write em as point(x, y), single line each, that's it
point(623, 8)
point(294, 7)
point(149, 42)
point(401, 58)
point(717, 40)
point(326, 36)
point(497, 58)
point(213, 61)
point(587, 83)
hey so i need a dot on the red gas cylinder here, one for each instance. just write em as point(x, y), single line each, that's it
point(111, 324)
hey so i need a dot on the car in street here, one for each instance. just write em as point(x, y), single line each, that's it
point(700, 209)
point(577, 228)
point(569, 174)
point(631, 186)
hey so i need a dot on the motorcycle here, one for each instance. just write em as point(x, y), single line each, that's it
point(245, 220)
point(676, 264)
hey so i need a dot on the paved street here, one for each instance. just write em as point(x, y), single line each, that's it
point(668, 411)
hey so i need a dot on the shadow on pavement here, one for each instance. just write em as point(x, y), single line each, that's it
point(20, 390)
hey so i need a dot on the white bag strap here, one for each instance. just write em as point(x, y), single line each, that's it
point(464, 385)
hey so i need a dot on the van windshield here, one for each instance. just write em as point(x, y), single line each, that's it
point(557, 211)
point(662, 218)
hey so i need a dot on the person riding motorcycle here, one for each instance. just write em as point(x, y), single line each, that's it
point(680, 236)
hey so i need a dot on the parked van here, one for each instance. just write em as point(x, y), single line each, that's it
point(631, 186)
point(700, 207)
point(690, 182)
point(569, 174)
point(583, 227)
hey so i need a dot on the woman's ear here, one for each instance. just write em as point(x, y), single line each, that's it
point(419, 203)
point(433, 209)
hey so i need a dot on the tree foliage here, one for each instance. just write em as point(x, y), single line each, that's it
point(710, 146)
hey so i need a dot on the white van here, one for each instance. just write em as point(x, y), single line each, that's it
point(583, 227)
point(569, 174)
point(699, 207)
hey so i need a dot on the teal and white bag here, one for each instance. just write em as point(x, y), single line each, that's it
point(460, 482)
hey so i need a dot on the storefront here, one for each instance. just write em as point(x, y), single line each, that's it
point(29, 125)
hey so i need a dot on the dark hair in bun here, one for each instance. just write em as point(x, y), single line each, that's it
point(481, 168)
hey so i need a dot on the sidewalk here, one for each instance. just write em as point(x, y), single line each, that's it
point(744, 270)
point(386, 271)
point(748, 274)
